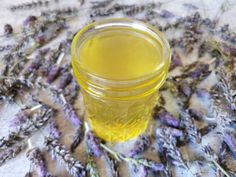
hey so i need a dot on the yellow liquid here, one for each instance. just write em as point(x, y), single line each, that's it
point(119, 55)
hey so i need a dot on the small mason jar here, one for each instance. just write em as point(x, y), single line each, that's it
point(120, 64)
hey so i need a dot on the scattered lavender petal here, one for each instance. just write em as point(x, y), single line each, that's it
point(168, 119)
point(166, 14)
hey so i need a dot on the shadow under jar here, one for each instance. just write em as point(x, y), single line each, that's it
point(120, 64)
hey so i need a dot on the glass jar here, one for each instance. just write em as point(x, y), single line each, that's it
point(120, 64)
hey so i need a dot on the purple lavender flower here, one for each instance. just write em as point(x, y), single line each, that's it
point(53, 73)
point(175, 61)
point(71, 115)
point(19, 118)
point(30, 20)
point(93, 144)
point(53, 129)
point(166, 14)
point(66, 78)
point(185, 89)
point(140, 171)
point(36, 158)
point(168, 119)
point(198, 115)
point(142, 143)
point(230, 140)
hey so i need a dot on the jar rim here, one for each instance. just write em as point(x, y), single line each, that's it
point(127, 22)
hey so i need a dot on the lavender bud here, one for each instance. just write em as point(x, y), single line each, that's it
point(8, 29)
point(66, 78)
point(168, 119)
point(19, 118)
point(36, 158)
point(53, 73)
point(71, 115)
point(185, 89)
point(93, 144)
point(30, 20)
point(166, 14)
point(197, 115)
point(230, 140)
point(53, 129)
point(140, 171)
point(175, 61)
point(142, 143)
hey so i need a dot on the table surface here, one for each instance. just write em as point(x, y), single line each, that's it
point(18, 166)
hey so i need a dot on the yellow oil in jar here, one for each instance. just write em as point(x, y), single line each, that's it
point(119, 55)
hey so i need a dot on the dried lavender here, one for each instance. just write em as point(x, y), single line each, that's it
point(8, 29)
point(142, 143)
point(149, 164)
point(113, 164)
point(207, 129)
point(230, 140)
point(10, 153)
point(65, 80)
point(35, 156)
point(167, 143)
point(222, 154)
point(10, 87)
point(29, 5)
point(190, 128)
point(212, 157)
point(71, 115)
point(54, 130)
point(54, 70)
point(72, 92)
point(92, 142)
point(91, 167)
point(168, 119)
point(175, 60)
point(226, 87)
point(24, 130)
point(77, 138)
point(140, 171)
point(73, 166)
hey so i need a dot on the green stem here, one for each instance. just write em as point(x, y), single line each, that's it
point(221, 169)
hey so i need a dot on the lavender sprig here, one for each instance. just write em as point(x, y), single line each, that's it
point(211, 156)
point(73, 166)
point(190, 127)
point(10, 153)
point(70, 113)
point(230, 140)
point(113, 164)
point(65, 80)
point(35, 156)
point(149, 164)
point(78, 136)
point(92, 142)
point(168, 119)
point(140, 171)
point(24, 130)
point(229, 92)
point(142, 143)
point(54, 130)
point(167, 143)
